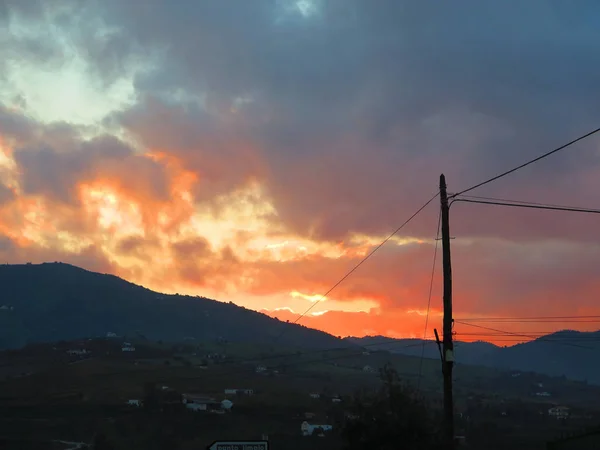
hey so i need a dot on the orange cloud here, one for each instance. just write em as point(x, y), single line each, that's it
point(213, 212)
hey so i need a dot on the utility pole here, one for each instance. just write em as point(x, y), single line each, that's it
point(448, 346)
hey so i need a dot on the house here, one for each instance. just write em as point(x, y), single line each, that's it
point(543, 394)
point(110, 334)
point(315, 395)
point(261, 369)
point(336, 400)
point(239, 391)
point(365, 353)
point(307, 429)
point(368, 369)
point(128, 348)
point(197, 402)
point(134, 402)
point(560, 412)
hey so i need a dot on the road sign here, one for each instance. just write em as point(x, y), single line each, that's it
point(239, 445)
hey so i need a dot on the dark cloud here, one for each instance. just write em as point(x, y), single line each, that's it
point(348, 117)
point(56, 172)
point(367, 102)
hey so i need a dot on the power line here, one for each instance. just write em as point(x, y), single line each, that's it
point(518, 334)
point(545, 155)
point(531, 206)
point(540, 321)
point(522, 202)
point(437, 235)
point(361, 262)
point(536, 318)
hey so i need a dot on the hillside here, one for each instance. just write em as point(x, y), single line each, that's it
point(565, 353)
point(56, 301)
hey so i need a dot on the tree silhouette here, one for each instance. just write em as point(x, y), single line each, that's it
point(391, 417)
point(101, 442)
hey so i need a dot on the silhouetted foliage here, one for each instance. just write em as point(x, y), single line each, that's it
point(150, 396)
point(101, 442)
point(390, 418)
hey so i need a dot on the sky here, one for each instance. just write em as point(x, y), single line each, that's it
point(256, 151)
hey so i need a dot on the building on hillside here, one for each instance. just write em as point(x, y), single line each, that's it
point(369, 369)
point(314, 395)
point(197, 402)
point(134, 402)
point(308, 429)
point(261, 369)
point(336, 400)
point(232, 391)
point(543, 394)
point(560, 412)
point(110, 334)
point(128, 348)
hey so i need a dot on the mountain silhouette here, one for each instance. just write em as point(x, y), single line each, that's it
point(55, 301)
point(567, 353)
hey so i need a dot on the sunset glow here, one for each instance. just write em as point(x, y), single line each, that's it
point(252, 168)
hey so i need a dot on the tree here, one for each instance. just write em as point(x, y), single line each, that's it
point(150, 395)
point(391, 417)
point(101, 442)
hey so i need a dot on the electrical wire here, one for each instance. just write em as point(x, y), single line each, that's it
point(545, 155)
point(531, 206)
point(435, 251)
point(534, 318)
point(519, 335)
point(360, 263)
point(522, 202)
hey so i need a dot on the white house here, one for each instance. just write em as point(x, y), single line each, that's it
point(226, 404)
point(560, 412)
point(261, 369)
point(239, 391)
point(134, 402)
point(110, 334)
point(315, 395)
point(307, 429)
point(127, 349)
point(336, 400)
point(543, 394)
point(196, 406)
point(200, 403)
point(368, 369)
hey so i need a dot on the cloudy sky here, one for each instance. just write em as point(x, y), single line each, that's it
point(255, 151)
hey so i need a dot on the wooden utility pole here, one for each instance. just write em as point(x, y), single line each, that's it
point(448, 346)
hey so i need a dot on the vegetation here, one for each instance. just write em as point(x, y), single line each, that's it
point(392, 417)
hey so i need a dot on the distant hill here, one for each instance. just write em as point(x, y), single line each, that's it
point(572, 354)
point(56, 301)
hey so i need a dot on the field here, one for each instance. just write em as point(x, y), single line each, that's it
point(49, 395)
